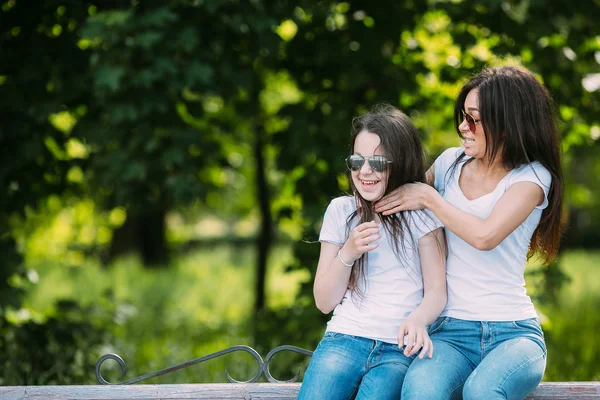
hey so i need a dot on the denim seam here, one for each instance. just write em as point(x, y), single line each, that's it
point(459, 387)
point(368, 365)
point(437, 328)
point(521, 366)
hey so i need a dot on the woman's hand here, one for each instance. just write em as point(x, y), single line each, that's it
point(362, 239)
point(417, 338)
point(410, 196)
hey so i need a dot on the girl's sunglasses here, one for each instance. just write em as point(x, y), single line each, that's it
point(470, 120)
point(377, 163)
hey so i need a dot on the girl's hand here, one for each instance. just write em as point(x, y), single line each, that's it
point(362, 239)
point(410, 196)
point(414, 334)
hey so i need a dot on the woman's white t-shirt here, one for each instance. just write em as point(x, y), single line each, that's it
point(393, 288)
point(488, 285)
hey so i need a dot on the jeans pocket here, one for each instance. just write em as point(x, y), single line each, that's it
point(437, 325)
point(530, 324)
point(336, 336)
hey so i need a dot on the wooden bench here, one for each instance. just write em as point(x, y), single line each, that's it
point(244, 391)
point(251, 390)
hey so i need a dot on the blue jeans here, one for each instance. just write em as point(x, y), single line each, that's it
point(479, 360)
point(344, 366)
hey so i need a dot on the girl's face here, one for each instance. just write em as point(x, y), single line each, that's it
point(474, 140)
point(370, 183)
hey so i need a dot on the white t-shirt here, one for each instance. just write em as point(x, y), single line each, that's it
point(488, 285)
point(393, 288)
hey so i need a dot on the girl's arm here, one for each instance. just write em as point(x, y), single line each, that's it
point(430, 175)
point(332, 277)
point(432, 253)
point(515, 205)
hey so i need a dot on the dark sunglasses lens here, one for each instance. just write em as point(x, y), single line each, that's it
point(355, 162)
point(378, 163)
point(470, 121)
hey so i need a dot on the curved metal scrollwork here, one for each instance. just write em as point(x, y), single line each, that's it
point(277, 350)
point(118, 359)
point(263, 366)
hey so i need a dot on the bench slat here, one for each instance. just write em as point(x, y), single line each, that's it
point(226, 391)
point(212, 391)
point(566, 390)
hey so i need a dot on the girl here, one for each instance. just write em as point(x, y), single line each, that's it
point(500, 201)
point(383, 276)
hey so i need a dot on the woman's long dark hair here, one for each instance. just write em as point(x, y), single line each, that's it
point(517, 114)
point(401, 144)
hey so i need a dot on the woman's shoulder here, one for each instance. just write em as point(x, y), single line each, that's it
point(443, 166)
point(532, 170)
point(452, 152)
point(534, 165)
point(448, 157)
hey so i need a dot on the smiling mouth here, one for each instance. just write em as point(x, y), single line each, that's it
point(469, 140)
point(368, 183)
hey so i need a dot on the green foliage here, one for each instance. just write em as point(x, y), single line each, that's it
point(32, 88)
point(61, 350)
point(147, 149)
point(345, 58)
point(570, 322)
point(159, 318)
point(243, 109)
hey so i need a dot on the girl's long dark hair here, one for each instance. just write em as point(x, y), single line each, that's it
point(519, 122)
point(401, 144)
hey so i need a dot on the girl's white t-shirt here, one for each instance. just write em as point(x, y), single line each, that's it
point(393, 288)
point(488, 285)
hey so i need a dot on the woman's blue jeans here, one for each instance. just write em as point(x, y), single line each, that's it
point(479, 360)
point(344, 366)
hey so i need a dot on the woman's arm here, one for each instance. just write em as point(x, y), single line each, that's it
point(332, 277)
point(515, 205)
point(432, 253)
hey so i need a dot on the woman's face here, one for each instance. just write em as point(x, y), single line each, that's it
point(474, 140)
point(369, 183)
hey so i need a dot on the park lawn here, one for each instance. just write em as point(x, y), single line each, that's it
point(203, 303)
point(573, 322)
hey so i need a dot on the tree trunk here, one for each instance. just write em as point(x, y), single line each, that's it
point(264, 238)
point(142, 233)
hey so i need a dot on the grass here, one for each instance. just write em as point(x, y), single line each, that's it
point(573, 321)
point(203, 303)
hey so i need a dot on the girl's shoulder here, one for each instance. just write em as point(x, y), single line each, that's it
point(343, 201)
point(421, 222)
point(342, 205)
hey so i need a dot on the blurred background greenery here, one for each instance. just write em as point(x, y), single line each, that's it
point(165, 166)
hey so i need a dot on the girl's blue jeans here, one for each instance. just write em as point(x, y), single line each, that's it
point(344, 366)
point(479, 360)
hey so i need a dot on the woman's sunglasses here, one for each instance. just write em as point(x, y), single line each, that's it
point(470, 120)
point(377, 163)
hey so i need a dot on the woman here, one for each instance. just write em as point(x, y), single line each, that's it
point(383, 276)
point(499, 197)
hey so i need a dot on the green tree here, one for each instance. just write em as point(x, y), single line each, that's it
point(174, 102)
point(34, 87)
